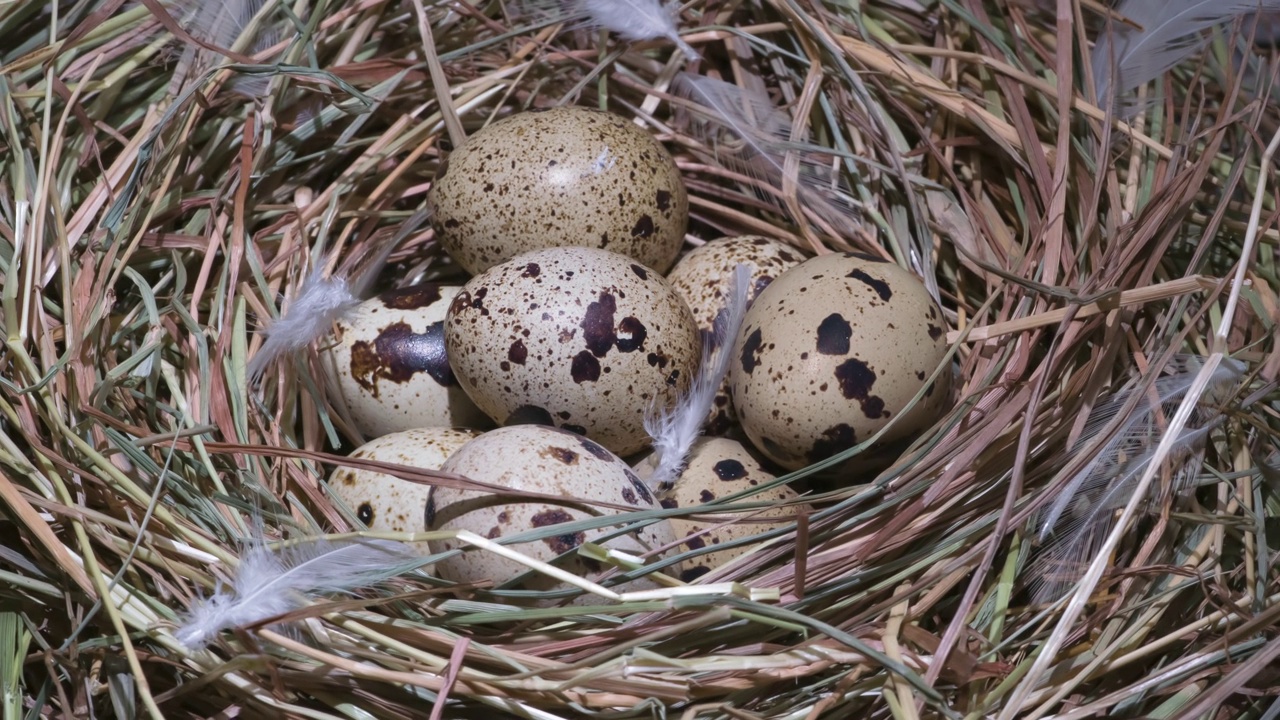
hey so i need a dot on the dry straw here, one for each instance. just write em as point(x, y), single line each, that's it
point(151, 224)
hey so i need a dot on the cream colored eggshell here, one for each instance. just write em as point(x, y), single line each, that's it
point(388, 364)
point(704, 276)
point(557, 177)
point(829, 354)
point(717, 468)
point(545, 460)
point(579, 338)
point(385, 502)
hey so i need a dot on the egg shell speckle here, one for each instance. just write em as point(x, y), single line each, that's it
point(545, 460)
point(389, 366)
point(717, 468)
point(582, 339)
point(385, 502)
point(557, 177)
point(703, 277)
point(829, 354)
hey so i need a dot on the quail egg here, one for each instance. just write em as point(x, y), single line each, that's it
point(556, 177)
point(386, 502)
point(390, 368)
point(583, 339)
point(831, 352)
point(702, 278)
point(717, 468)
point(544, 460)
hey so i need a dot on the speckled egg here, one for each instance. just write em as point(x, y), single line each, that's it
point(563, 176)
point(831, 352)
point(582, 339)
point(544, 460)
point(704, 276)
point(388, 364)
point(717, 468)
point(386, 502)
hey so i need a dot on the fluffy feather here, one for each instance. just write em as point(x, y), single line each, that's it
point(269, 583)
point(1169, 32)
point(674, 430)
point(760, 145)
point(1082, 514)
point(322, 302)
point(633, 20)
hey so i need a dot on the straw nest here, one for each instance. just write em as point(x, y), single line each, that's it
point(168, 181)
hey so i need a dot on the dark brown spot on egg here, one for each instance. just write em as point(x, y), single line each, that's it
point(695, 543)
point(412, 297)
point(629, 496)
point(750, 350)
point(656, 360)
point(706, 496)
point(429, 512)
point(560, 544)
point(564, 455)
point(643, 227)
point(595, 449)
point(690, 574)
point(865, 256)
point(881, 287)
point(663, 200)
point(597, 325)
point(585, 367)
point(636, 335)
point(920, 375)
point(729, 470)
point(517, 353)
point(529, 415)
point(833, 335)
point(641, 489)
point(935, 332)
point(398, 353)
point(856, 379)
point(504, 518)
point(669, 503)
point(532, 270)
point(834, 440)
point(640, 271)
point(365, 513)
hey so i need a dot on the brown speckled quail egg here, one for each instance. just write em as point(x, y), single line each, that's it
point(831, 352)
point(717, 468)
point(386, 502)
point(703, 278)
point(389, 366)
point(563, 176)
point(579, 338)
point(545, 460)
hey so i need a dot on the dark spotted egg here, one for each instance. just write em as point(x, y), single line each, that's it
point(545, 460)
point(582, 339)
point(703, 278)
point(388, 364)
point(386, 502)
point(563, 176)
point(718, 468)
point(831, 352)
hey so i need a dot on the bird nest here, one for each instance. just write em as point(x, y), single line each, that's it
point(171, 173)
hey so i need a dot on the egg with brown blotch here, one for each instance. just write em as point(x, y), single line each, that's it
point(572, 469)
point(567, 176)
point(384, 502)
point(833, 351)
point(718, 468)
point(704, 276)
point(577, 338)
point(389, 367)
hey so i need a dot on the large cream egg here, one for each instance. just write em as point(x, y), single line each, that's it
point(557, 177)
point(385, 502)
point(389, 367)
point(704, 276)
point(717, 468)
point(541, 459)
point(831, 352)
point(579, 338)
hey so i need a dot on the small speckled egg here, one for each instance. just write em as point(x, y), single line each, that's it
point(386, 502)
point(390, 368)
point(579, 338)
point(717, 468)
point(703, 277)
point(545, 460)
point(831, 352)
point(557, 177)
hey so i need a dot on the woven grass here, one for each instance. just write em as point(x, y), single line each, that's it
point(160, 201)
